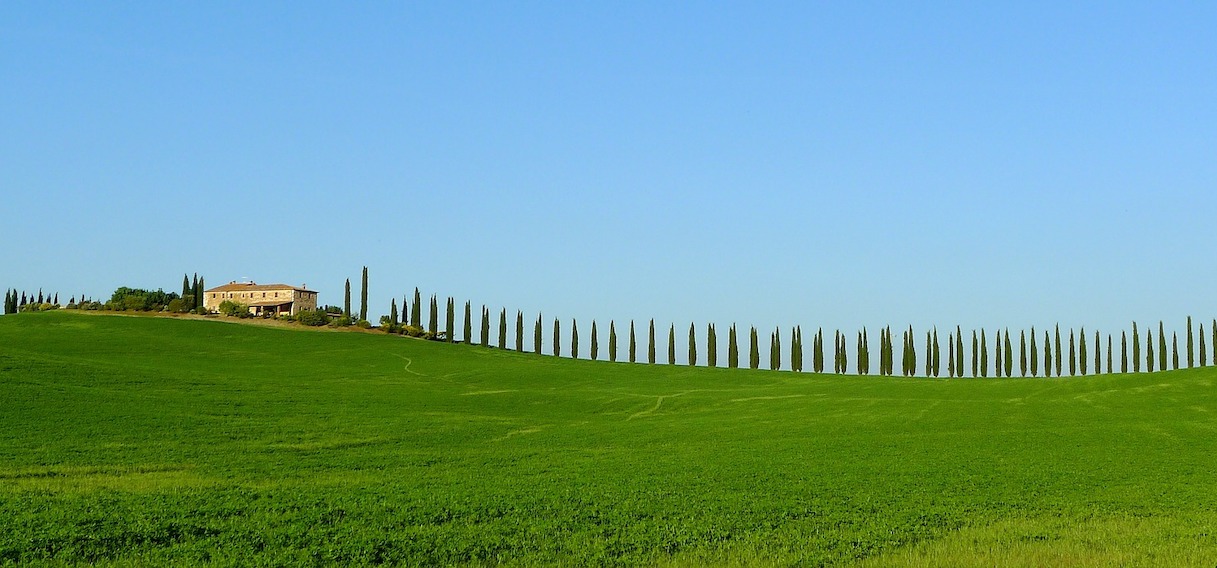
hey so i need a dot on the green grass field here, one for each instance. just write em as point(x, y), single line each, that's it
point(150, 441)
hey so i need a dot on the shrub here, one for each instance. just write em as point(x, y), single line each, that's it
point(313, 318)
point(234, 309)
point(363, 324)
point(176, 305)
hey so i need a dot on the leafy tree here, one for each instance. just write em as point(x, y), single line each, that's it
point(536, 336)
point(363, 299)
point(672, 344)
point(502, 328)
point(346, 302)
point(468, 329)
point(754, 352)
point(633, 343)
point(574, 339)
point(692, 346)
point(612, 341)
point(651, 342)
point(595, 349)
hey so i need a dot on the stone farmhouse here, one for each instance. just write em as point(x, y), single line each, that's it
point(273, 299)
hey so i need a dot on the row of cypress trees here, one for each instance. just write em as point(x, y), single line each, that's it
point(1082, 357)
point(14, 299)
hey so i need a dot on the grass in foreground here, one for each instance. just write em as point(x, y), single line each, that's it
point(140, 441)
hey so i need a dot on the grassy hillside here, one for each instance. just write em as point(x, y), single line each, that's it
point(146, 440)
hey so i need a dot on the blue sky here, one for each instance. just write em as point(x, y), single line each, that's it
point(834, 165)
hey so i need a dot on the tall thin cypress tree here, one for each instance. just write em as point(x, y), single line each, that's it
point(1035, 356)
point(363, 298)
point(975, 355)
point(485, 326)
point(633, 344)
point(692, 346)
point(1082, 351)
point(1058, 350)
point(818, 358)
point(937, 360)
point(1022, 353)
point(950, 355)
point(187, 293)
point(346, 300)
point(775, 352)
point(1149, 351)
point(196, 293)
point(519, 331)
point(502, 328)
point(595, 349)
point(433, 321)
point(997, 355)
point(1098, 362)
point(651, 342)
point(672, 344)
point(612, 341)
point(1047, 355)
point(1174, 351)
point(860, 349)
point(393, 312)
point(958, 351)
point(1009, 354)
point(574, 339)
point(468, 328)
point(711, 345)
point(1136, 349)
point(1203, 359)
point(450, 320)
point(416, 310)
point(536, 336)
point(1189, 343)
point(1123, 352)
point(1161, 347)
point(1213, 329)
point(732, 348)
point(1073, 355)
point(753, 350)
point(984, 355)
point(557, 337)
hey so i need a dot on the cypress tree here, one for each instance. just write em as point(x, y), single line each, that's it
point(574, 339)
point(55, 300)
point(818, 358)
point(1073, 356)
point(502, 328)
point(612, 341)
point(1136, 349)
point(937, 360)
point(1123, 352)
point(196, 293)
point(950, 355)
point(1058, 350)
point(393, 312)
point(997, 355)
point(198, 302)
point(416, 310)
point(1035, 356)
point(1022, 353)
point(984, 355)
point(754, 352)
point(836, 352)
point(1203, 361)
point(844, 355)
point(8, 302)
point(1082, 351)
point(346, 301)
point(1174, 351)
point(1161, 347)
point(1213, 329)
point(536, 336)
point(672, 344)
point(775, 353)
point(433, 321)
point(187, 293)
point(1047, 355)
point(929, 355)
point(1149, 351)
point(711, 346)
point(904, 353)
point(468, 328)
point(485, 326)
point(519, 331)
point(595, 351)
point(1189, 343)
point(363, 299)
point(651, 342)
point(692, 346)
point(450, 320)
point(633, 344)
point(794, 349)
point(732, 348)
point(1009, 354)
point(975, 355)
point(1098, 363)
point(860, 349)
point(557, 337)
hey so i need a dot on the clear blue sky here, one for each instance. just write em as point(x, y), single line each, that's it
point(840, 164)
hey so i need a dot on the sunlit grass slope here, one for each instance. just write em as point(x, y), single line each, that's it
point(146, 441)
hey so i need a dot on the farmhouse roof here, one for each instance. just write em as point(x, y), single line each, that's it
point(252, 287)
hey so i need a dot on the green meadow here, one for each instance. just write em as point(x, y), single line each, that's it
point(131, 441)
